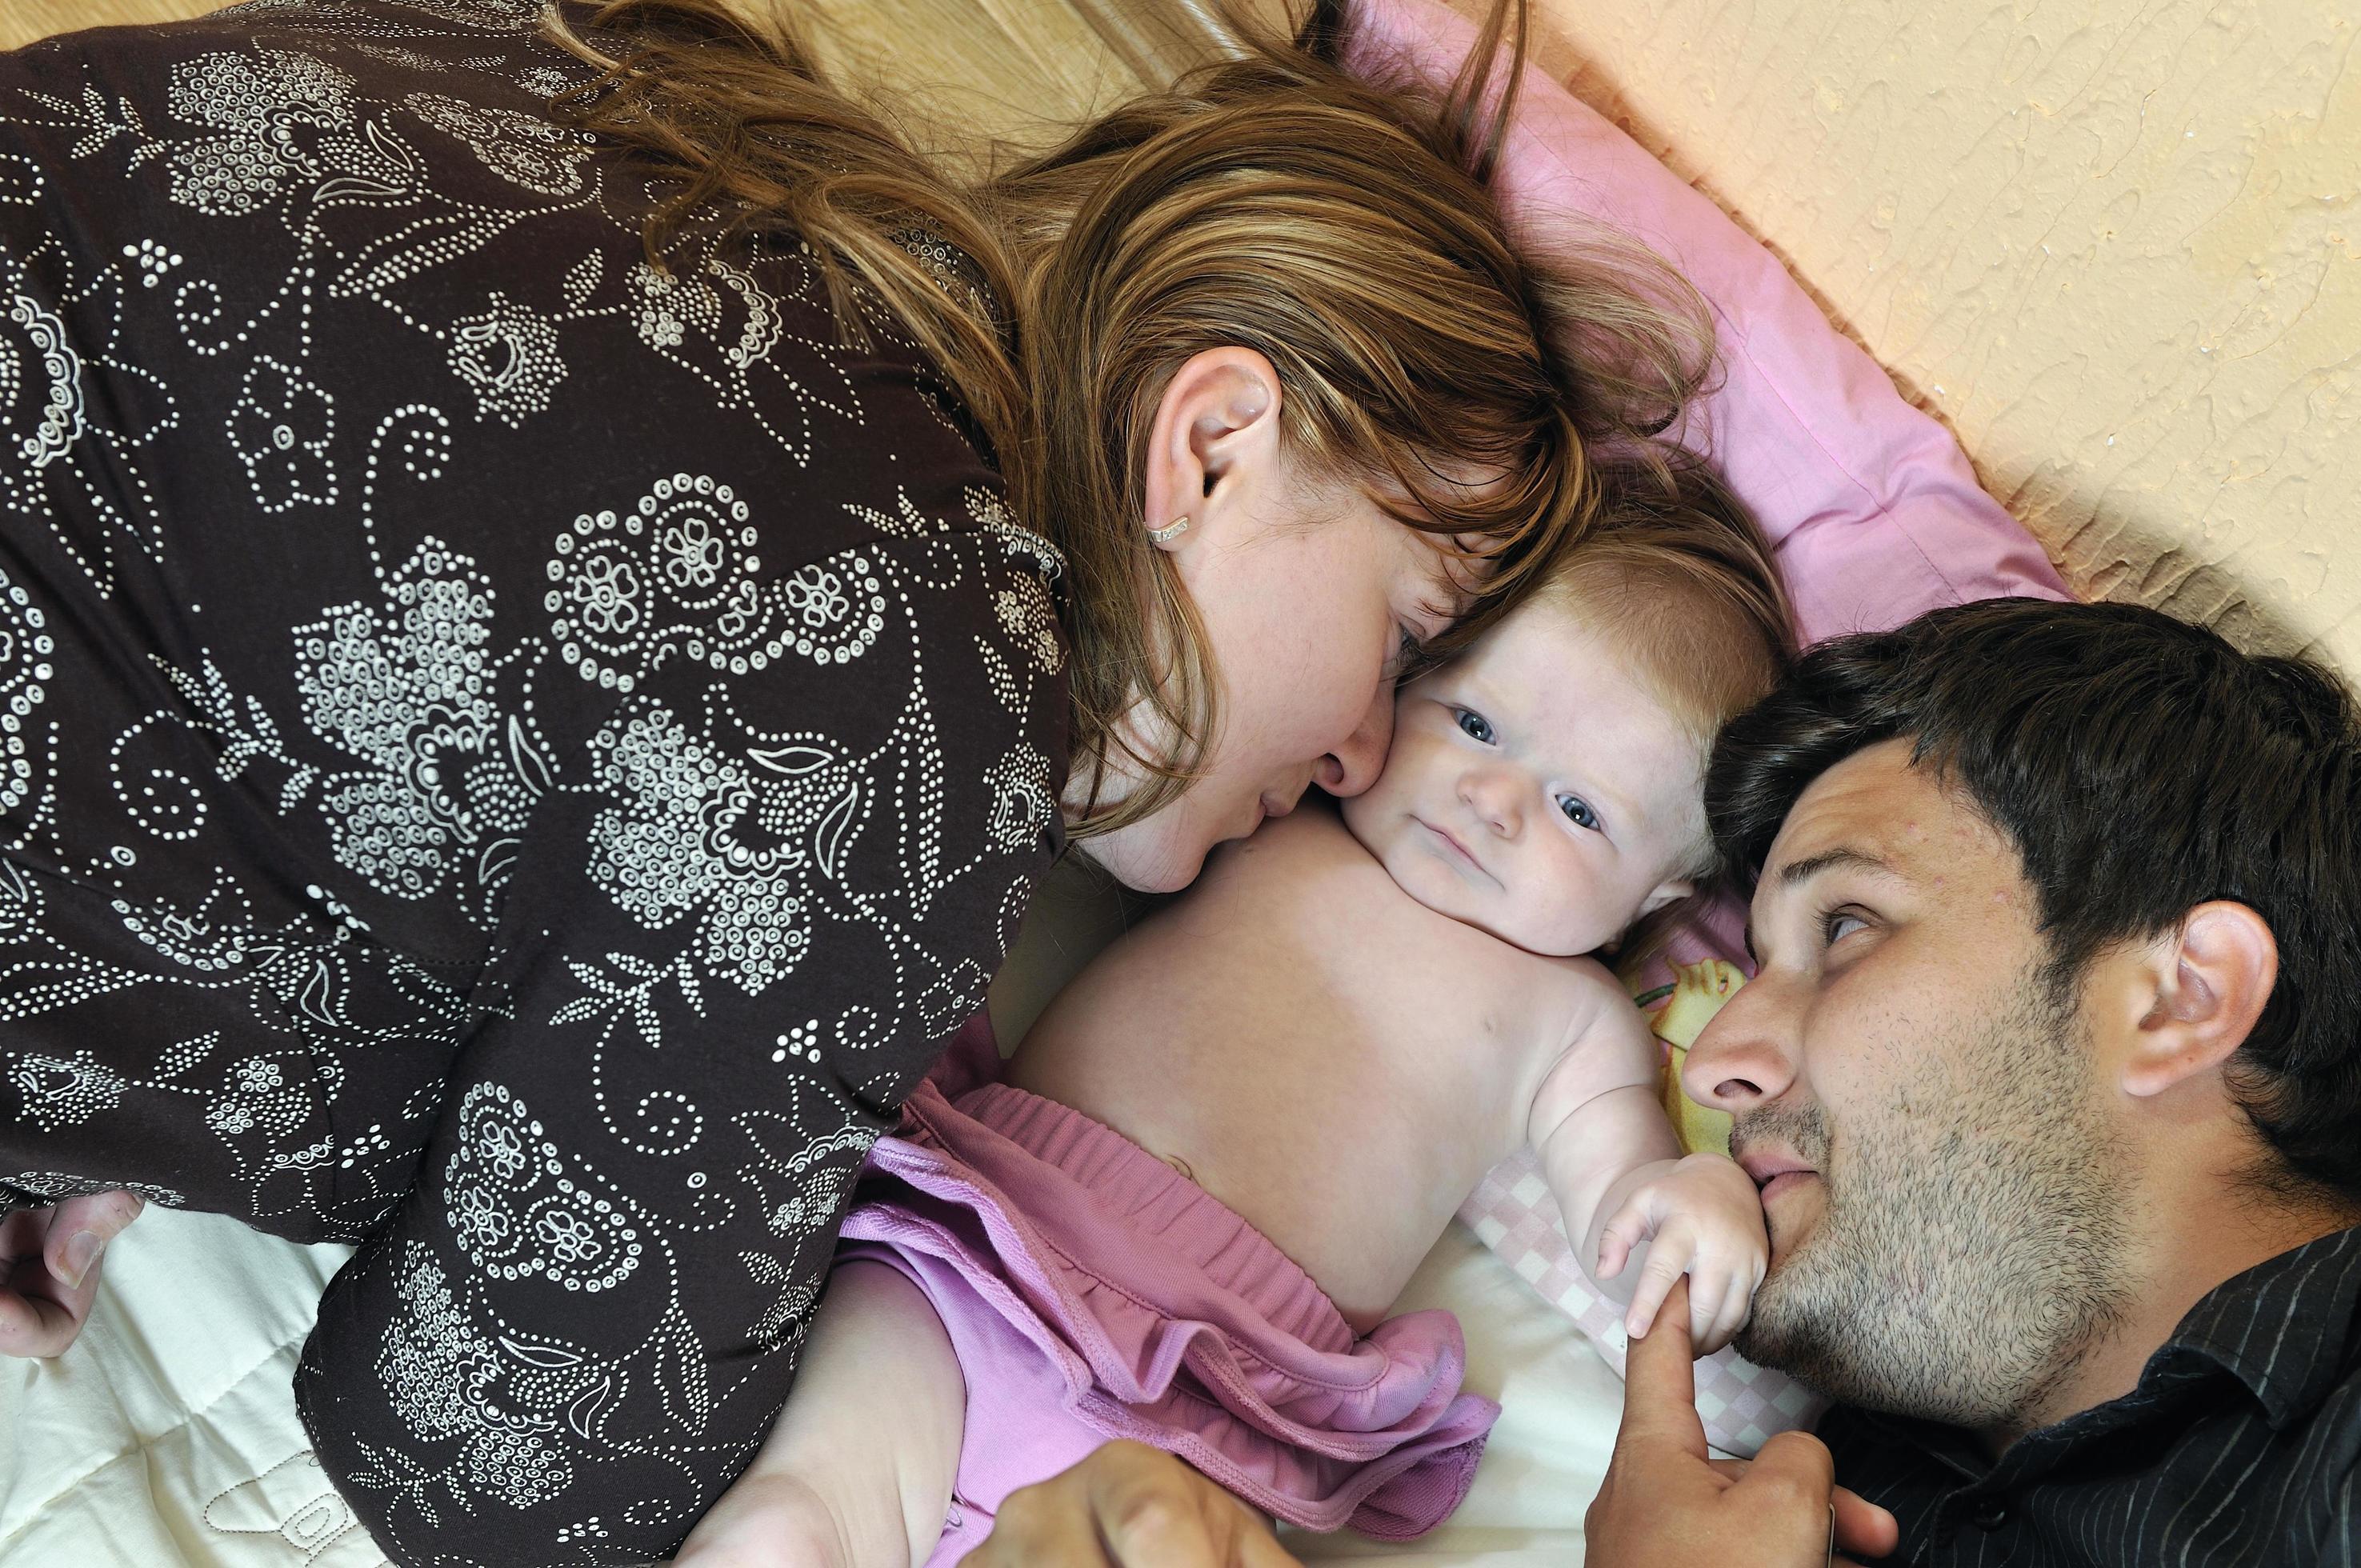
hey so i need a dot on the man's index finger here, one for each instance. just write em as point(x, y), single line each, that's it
point(1660, 1381)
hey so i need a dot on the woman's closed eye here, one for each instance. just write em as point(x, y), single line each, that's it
point(1409, 651)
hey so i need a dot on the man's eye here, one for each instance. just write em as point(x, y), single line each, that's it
point(1839, 923)
point(1579, 812)
point(1474, 725)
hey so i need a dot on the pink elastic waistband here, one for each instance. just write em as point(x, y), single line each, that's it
point(1139, 1201)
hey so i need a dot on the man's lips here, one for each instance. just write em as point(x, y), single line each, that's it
point(1774, 1174)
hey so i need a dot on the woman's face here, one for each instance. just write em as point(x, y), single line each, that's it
point(1307, 593)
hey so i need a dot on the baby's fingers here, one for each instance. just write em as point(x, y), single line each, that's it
point(1628, 1228)
point(1667, 1260)
point(1708, 1304)
point(1728, 1303)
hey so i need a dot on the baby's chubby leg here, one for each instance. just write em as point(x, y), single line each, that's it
point(857, 1472)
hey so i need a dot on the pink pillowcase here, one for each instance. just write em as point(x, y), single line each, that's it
point(1873, 509)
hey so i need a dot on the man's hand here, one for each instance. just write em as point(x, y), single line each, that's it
point(1128, 1505)
point(48, 1268)
point(1665, 1503)
point(1701, 1217)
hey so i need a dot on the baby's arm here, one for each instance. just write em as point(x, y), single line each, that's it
point(1616, 1168)
point(833, 1485)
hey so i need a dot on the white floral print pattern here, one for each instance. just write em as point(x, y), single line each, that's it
point(517, 147)
point(407, 690)
point(256, 101)
point(282, 426)
point(508, 354)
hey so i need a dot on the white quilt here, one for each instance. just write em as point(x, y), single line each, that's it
point(167, 1437)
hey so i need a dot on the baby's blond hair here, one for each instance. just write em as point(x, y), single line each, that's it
point(1677, 576)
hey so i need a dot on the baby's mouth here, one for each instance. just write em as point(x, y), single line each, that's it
point(1458, 851)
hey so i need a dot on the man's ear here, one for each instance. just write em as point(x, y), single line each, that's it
point(2210, 978)
point(1216, 432)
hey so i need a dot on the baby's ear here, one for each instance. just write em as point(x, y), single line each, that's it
point(1670, 891)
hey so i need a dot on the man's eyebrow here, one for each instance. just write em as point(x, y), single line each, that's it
point(1798, 871)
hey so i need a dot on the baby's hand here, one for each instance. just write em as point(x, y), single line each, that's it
point(1702, 1217)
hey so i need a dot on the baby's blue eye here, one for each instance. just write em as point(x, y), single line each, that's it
point(1475, 726)
point(1578, 811)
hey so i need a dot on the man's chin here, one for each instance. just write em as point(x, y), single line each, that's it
point(1854, 1361)
point(1814, 1358)
point(1809, 1342)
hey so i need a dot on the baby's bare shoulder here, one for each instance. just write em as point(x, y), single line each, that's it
point(1603, 1041)
point(1583, 994)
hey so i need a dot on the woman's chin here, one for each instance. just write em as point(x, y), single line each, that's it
point(1154, 856)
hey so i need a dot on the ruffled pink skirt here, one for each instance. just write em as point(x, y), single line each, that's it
point(1093, 1292)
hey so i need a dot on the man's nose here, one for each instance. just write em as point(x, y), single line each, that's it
point(1746, 1055)
point(1352, 766)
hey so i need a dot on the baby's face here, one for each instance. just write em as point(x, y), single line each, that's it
point(1536, 789)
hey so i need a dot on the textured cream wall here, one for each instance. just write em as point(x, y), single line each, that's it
point(2115, 243)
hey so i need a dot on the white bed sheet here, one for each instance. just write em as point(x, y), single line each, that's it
point(167, 1437)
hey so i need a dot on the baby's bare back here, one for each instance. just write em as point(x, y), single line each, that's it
point(1323, 1053)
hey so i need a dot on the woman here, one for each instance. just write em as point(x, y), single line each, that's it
point(548, 644)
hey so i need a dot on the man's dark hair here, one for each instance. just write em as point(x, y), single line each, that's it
point(2141, 766)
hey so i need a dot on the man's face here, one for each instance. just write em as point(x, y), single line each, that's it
point(1920, 1106)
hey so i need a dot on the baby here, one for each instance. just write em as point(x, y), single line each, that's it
point(1216, 1159)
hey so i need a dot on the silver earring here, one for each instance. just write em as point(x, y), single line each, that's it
point(1171, 532)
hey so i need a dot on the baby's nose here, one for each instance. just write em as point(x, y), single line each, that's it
point(1496, 796)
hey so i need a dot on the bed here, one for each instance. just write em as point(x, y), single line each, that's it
point(2118, 253)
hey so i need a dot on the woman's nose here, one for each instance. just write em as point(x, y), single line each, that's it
point(1355, 763)
point(1747, 1052)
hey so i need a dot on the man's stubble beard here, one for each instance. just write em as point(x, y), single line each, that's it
point(1971, 1246)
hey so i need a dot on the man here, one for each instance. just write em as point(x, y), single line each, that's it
point(2051, 1079)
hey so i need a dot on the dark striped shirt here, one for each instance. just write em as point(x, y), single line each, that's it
point(2241, 1444)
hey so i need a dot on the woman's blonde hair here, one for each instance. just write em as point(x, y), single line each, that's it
point(1344, 229)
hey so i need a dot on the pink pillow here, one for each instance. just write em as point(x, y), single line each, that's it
point(1873, 509)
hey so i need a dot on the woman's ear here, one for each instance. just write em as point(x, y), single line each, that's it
point(1213, 447)
point(2211, 980)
